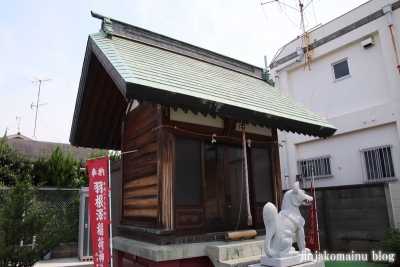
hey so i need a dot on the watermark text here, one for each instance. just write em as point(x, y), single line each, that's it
point(325, 256)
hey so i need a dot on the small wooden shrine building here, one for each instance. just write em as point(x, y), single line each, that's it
point(180, 107)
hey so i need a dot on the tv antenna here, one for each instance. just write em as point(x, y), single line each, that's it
point(302, 25)
point(19, 120)
point(37, 81)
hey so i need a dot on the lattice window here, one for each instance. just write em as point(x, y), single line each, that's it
point(377, 164)
point(320, 165)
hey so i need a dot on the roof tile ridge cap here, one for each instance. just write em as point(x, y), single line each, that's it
point(99, 16)
point(189, 56)
point(192, 46)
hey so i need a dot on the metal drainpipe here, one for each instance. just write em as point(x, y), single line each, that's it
point(284, 149)
point(282, 134)
point(387, 10)
point(285, 162)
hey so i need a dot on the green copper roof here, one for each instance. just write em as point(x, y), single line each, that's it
point(165, 74)
point(124, 62)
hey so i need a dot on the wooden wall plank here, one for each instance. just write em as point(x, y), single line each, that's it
point(140, 182)
point(138, 173)
point(143, 222)
point(149, 148)
point(139, 142)
point(141, 192)
point(152, 213)
point(146, 181)
point(143, 160)
point(140, 112)
point(141, 202)
point(143, 127)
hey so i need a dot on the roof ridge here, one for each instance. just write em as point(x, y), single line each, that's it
point(156, 39)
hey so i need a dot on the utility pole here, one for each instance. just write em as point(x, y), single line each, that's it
point(37, 103)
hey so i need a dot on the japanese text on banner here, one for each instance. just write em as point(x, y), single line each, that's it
point(99, 210)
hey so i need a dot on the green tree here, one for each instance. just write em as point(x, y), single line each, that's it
point(60, 170)
point(12, 165)
point(113, 155)
point(390, 244)
point(21, 218)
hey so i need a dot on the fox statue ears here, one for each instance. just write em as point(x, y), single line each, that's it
point(296, 188)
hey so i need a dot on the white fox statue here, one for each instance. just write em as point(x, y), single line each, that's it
point(279, 228)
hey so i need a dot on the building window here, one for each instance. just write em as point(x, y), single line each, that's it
point(321, 166)
point(341, 70)
point(377, 164)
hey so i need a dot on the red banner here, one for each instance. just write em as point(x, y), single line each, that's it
point(98, 210)
point(312, 235)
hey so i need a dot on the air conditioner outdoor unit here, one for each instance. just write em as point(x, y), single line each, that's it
point(367, 42)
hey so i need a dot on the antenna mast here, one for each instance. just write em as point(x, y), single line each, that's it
point(19, 121)
point(305, 34)
point(37, 103)
point(302, 26)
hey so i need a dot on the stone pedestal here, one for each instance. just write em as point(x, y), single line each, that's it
point(288, 261)
point(300, 260)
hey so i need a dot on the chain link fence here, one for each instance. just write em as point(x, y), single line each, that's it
point(63, 204)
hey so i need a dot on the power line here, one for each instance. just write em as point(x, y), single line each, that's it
point(48, 128)
point(316, 22)
point(308, 4)
point(288, 17)
point(280, 3)
point(51, 127)
point(264, 10)
point(282, 10)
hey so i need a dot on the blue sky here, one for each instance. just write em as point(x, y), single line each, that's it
point(46, 39)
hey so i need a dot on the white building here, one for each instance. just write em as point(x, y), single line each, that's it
point(354, 83)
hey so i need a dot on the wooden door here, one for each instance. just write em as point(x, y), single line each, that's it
point(215, 188)
point(236, 189)
point(210, 186)
point(225, 188)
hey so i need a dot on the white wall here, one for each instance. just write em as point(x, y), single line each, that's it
point(365, 107)
point(345, 156)
point(366, 87)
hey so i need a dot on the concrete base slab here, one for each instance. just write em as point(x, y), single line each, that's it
point(284, 262)
point(66, 262)
point(307, 264)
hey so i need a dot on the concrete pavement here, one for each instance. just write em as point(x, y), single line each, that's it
point(65, 262)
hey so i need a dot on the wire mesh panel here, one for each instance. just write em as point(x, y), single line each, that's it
point(65, 203)
point(63, 206)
